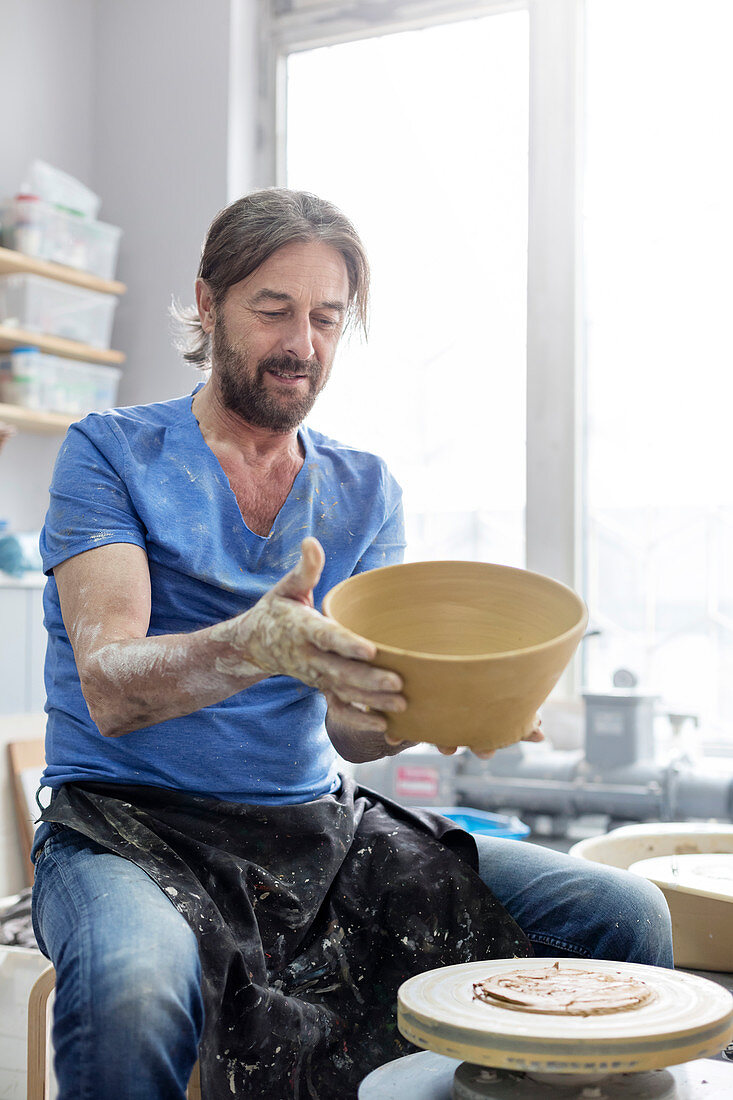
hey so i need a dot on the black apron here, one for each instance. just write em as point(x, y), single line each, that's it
point(308, 918)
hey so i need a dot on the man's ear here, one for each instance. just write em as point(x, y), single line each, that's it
point(205, 305)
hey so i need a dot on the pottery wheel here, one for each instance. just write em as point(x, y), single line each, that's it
point(684, 1018)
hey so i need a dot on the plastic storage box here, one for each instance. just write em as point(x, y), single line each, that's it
point(48, 232)
point(57, 309)
point(53, 384)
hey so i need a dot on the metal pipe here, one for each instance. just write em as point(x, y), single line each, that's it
point(635, 792)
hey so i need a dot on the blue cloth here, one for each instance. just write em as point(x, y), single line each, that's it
point(144, 475)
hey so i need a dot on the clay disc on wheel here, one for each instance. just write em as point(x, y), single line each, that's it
point(570, 990)
point(684, 1017)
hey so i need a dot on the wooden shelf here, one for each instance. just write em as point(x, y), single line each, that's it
point(11, 337)
point(32, 420)
point(17, 263)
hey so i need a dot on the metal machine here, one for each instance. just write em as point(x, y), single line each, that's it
point(615, 776)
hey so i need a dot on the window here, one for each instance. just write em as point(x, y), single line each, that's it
point(430, 161)
point(659, 237)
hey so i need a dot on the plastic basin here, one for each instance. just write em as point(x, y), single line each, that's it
point(484, 823)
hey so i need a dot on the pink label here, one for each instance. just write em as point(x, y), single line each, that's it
point(412, 781)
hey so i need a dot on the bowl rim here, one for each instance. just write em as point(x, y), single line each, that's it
point(449, 658)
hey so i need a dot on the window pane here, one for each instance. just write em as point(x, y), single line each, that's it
point(659, 237)
point(421, 138)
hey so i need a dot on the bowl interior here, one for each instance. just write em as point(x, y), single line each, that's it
point(455, 608)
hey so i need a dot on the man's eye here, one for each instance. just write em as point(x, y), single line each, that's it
point(272, 313)
point(326, 322)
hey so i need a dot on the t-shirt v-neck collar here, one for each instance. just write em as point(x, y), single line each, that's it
point(217, 469)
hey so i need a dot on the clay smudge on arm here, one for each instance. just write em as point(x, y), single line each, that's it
point(136, 683)
point(129, 680)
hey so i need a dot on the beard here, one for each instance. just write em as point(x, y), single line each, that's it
point(243, 390)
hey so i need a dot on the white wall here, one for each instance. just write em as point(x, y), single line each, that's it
point(46, 65)
point(160, 162)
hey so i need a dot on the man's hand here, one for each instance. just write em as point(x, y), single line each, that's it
point(284, 635)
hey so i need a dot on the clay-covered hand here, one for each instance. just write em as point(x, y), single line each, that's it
point(284, 635)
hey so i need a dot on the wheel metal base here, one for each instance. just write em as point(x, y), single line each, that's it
point(428, 1076)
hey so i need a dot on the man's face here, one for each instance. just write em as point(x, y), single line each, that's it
point(275, 335)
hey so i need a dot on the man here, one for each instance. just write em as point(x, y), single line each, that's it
point(206, 882)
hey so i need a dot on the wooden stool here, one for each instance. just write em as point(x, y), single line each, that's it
point(38, 1049)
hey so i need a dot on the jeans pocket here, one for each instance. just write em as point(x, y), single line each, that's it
point(44, 833)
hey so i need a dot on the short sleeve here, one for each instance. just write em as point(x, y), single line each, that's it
point(388, 546)
point(90, 505)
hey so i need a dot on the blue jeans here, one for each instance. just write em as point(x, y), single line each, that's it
point(569, 907)
point(129, 1012)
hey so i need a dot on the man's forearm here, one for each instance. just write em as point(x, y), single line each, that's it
point(136, 683)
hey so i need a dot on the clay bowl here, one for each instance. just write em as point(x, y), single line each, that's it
point(479, 647)
point(699, 893)
point(630, 843)
point(702, 929)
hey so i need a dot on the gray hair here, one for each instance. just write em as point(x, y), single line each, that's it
point(246, 233)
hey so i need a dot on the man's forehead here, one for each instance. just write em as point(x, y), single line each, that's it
point(303, 264)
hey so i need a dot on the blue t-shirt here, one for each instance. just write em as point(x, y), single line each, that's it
point(145, 475)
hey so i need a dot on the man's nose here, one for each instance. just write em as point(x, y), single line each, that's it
point(299, 338)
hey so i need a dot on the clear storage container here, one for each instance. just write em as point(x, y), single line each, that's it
point(57, 309)
point(48, 232)
point(30, 378)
